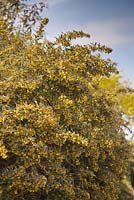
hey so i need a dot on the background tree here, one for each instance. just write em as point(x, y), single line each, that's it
point(61, 117)
point(127, 188)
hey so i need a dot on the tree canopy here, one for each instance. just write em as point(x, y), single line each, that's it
point(62, 115)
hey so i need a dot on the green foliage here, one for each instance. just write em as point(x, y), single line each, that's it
point(127, 185)
point(61, 125)
point(127, 192)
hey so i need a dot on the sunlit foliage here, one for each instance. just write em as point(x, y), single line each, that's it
point(61, 118)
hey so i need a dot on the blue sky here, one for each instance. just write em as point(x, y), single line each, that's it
point(110, 22)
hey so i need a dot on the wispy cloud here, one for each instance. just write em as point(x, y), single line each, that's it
point(110, 32)
point(55, 2)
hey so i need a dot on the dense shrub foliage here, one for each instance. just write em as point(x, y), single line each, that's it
point(62, 120)
point(127, 185)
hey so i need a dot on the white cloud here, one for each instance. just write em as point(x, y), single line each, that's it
point(109, 32)
point(112, 32)
point(55, 2)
